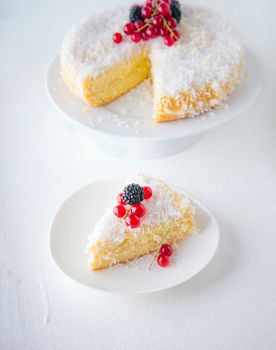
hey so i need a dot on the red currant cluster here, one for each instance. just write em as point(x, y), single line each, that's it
point(164, 253)
point(131, 213)
point(155, 18)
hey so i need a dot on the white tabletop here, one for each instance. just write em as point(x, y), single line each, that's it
point(44, 158)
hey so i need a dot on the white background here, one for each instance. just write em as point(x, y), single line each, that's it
point(232, 170)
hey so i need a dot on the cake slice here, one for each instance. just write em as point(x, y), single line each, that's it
point(146, 214)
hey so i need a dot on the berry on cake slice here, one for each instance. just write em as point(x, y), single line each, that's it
point(120, 199)
point(132, 220)
point(119, 210)
point(130, 207)
point(147, 192)
point(133, 193)
point(138, 209)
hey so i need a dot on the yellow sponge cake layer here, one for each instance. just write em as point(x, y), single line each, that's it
point(106, 254)
point(115, 82)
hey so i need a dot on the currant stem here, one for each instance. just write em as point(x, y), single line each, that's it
point(155, 9)
point(157, 252)
point(155, 12)
point(127, 212)
point(142, 28)
point(155, 4)
point(165, 23)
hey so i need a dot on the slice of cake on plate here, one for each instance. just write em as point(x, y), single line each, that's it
point(147, 214)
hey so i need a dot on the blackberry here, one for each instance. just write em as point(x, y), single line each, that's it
point(133, 193)
point(135, 14)
point(175, 2)
point(176, 10)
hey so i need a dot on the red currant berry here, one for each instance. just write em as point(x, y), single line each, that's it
point(149, 3)
point(163, 260)
point(132, 220)
point(146, 11)
point(176, 35)
point(136, 37)
point(138, 209)
point(147, 192)
point(172, 23)
point(152, 32)
point(164, 32)
point(129, 28)
point(166, 249)
point(119, 211)
point(157, 22)
point(120, 199)
point(117, 38)
point(164, 10)
point(144, 36)
point(139, 24)
point(168, 40)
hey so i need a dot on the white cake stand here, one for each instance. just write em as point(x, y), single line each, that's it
point(125, 127)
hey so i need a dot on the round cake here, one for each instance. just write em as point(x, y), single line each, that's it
point(191, 77)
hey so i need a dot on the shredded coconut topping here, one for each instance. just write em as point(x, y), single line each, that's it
point(209, 50)
point(159, 208)
point(211, 54)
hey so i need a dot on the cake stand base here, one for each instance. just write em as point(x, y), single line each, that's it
point(140, 148)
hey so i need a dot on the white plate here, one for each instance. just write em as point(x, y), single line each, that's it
point(75, 221)
point(131, 115)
